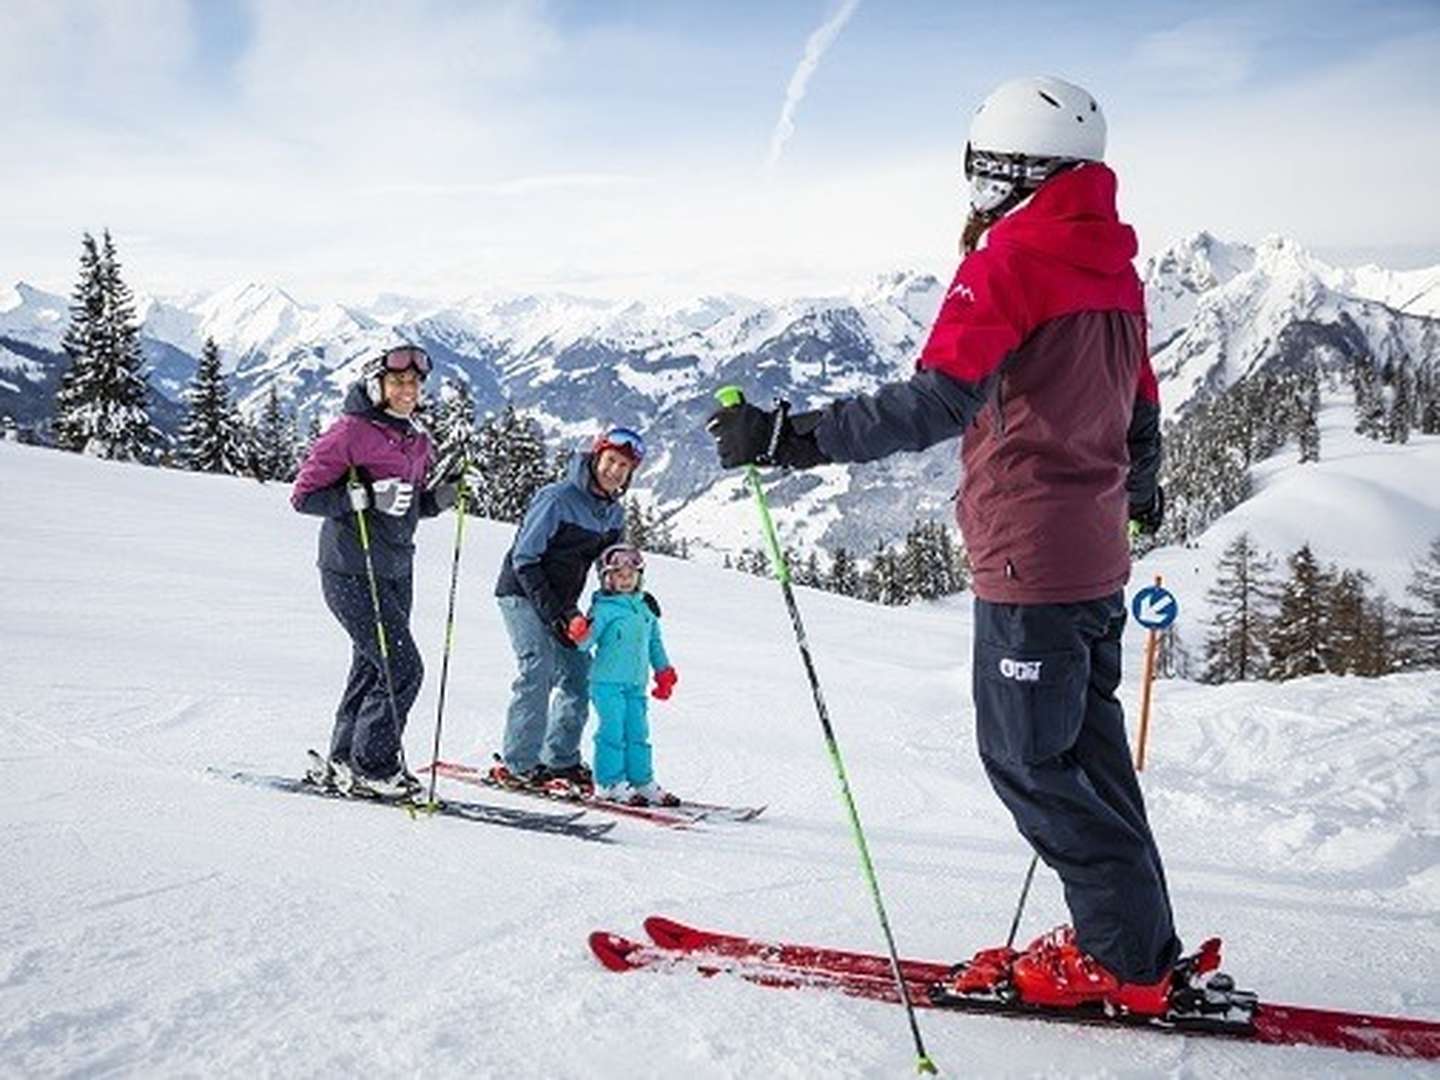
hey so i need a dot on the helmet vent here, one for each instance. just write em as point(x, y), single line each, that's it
point(1048, 98)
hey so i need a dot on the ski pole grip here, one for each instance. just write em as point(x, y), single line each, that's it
point(729, 395)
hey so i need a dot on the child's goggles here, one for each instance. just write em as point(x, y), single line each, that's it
point(624, 440)
point(622, 558)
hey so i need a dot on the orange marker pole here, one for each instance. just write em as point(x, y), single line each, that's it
point(1147, 679)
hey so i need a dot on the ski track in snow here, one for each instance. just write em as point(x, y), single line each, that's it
point(159, 920)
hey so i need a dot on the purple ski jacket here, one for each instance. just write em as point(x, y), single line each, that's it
point(379, 446)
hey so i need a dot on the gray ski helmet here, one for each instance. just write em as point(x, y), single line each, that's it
point(616, 556)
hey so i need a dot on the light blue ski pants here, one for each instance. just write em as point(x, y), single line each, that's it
point(622, 739)
point(539, 728)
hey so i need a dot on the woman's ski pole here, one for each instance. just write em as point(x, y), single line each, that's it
point(449, 620)
point(379, 621)
point(731, 395)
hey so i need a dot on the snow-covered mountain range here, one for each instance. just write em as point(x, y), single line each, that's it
point(1218, 311)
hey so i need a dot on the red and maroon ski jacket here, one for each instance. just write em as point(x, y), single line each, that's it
point(1038, 357)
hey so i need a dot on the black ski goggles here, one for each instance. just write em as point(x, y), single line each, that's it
point(405, 357)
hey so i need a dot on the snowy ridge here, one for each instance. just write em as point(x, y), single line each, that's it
point(163, 921)
point(1221, 311)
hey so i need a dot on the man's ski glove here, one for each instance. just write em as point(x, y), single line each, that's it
point(446, 495)
point(393, 496)
point(746, 435)
point(1145, 520)
point(577, 629)
point(665, 680)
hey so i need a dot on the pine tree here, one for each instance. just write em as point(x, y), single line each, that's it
point(1307, 420)
point(210, 437)
point(1419, 630)
point(102, 406)
point(452, 421)
point(1369, 398)
point(273, 439)
point(1347, 623)
point(1297, 637)
point(511, 462)
point(885, 583)
point(1427, 399)
point(844, 577)
point(1399, 418)
point(82, 342)
point(637, 525)
point(1241, 596)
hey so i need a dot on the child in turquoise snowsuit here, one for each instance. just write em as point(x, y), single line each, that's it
point(624, 635)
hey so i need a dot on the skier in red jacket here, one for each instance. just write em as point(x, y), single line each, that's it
point(1038, 358)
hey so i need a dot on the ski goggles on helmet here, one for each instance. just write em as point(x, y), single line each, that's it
point(624, 440)
point(627, 557)
point(405, 357)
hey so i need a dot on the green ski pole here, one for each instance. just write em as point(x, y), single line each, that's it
point(449, 621)
point(728, 396)
point(379, 621)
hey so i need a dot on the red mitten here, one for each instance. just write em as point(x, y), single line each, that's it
point(665, 680)
point(577, 628)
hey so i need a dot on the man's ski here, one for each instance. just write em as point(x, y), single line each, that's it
point(678, 947)
point(669, 816)
point(485, 813)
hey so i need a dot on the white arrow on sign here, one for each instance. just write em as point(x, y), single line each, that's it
point(1153, 610)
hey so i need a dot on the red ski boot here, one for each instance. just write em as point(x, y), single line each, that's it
point(984, 975)
point(1057, 973)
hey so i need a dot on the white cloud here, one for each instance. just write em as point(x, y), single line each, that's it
point(1202, 54)
point(820, 40)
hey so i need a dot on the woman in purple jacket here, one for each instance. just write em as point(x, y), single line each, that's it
point(373, 461)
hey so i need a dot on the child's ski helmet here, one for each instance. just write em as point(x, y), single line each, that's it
point(399, 358)
point(628, 442)
point(616, 556)
point(1025, 132)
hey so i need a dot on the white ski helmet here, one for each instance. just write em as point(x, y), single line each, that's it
point(1024, 132)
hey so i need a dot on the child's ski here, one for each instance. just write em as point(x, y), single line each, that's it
point(669, 816)
point(682, 948)
point(485, 813)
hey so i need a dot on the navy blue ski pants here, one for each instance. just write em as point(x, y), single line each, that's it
point(1051, 734)
point(365, 735)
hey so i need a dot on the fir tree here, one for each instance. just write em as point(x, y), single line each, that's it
point(1427, 399)
point(1241, 596)
point(512, 463)
point(452, 421)
point(102, 405)
point(1297, 637)
point(1401, 416)
point(1419, 630)
point(1307, 419)
point(844, 577)
point(211, 437)
point(1369, 398)
point(273, 441)
point(1347, 623)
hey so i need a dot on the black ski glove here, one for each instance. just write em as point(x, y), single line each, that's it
point(746, 435)
point(1146, 519)
point(446, 494)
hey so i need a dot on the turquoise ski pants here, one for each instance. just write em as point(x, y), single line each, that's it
point(622, 739)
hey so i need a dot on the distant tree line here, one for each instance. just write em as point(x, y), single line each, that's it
point(931, 563)
point(1316, 619)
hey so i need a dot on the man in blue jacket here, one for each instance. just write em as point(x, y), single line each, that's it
point(566, 527)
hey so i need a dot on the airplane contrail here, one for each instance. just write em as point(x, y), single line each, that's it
point(815, 48)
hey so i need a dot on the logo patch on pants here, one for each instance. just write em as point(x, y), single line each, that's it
point(1020, 670)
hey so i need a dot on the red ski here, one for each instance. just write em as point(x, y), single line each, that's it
point(670, 816)
point(678, 947)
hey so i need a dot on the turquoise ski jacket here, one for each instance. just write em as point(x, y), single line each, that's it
point(625, 638)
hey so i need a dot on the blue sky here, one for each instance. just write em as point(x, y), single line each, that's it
point(446, 148)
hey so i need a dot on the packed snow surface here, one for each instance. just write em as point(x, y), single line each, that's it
point(157, 920)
